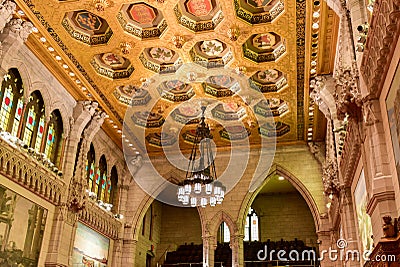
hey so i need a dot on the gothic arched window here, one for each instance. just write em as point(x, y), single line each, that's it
point(251, 226)
point(112, 186)
point(11, 103)
point(54, 137)
point(34, 116)
point(90, 167)
point(101, 179)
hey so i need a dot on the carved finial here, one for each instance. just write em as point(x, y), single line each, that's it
point(101, 5)
point(178, 41)
point(125, 47)
point(233, 33)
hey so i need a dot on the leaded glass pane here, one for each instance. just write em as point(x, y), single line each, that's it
point(6, 105)
point(30, 125)
point(50, 140)
point(39, 135)
point(17, 117)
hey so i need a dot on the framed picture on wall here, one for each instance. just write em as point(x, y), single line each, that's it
point(22, 225)
point(90, 248)
point(393, 110)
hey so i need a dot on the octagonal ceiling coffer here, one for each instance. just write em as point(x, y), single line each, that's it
point(268, 81)
point(211, 53)
point(87, 27)
point(160, 60)
point(264, 47)
point(112, 66)
point(258, 11)
point(220, 86)
point(271, 107)
point(198, 15)
point(175, 91)
point(142, 20)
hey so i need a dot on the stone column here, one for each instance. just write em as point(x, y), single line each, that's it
point(209, 246)
point(325, 245)
point(379, 176)
point(349, 226)
point(236, 244)
point(54, 256)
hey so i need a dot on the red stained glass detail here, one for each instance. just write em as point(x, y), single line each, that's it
point(41, 129)
point(7, 101)
point(30, 120)
point(19, 111)
point(50, 137)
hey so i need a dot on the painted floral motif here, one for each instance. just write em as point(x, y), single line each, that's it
point(88, 21)
point(220, 80)
point(189, 110)
point(161, 54)
point(268, 75)
point(175, 85)
point(258, 3)
point(199, 8)
point(211, 48)
point(142, 13)
point(113, 60)
point(264, 41)
point(230, 106)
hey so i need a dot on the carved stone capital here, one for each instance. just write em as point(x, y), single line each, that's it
point(330, 177)
point(20, 28)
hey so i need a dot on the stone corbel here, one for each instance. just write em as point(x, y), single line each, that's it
point(369, 115)
point(21, 29)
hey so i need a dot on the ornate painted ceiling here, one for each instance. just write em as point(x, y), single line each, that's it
point(161, 60)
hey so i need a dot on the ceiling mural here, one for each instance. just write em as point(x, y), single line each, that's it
point(243, 72)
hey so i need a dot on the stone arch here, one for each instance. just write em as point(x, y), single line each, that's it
point(23, 72)
point(219, 218)
point(138, 217)
point(45, 92)
point(276, 169)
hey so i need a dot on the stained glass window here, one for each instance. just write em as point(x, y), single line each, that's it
point(90, 173)
point(29, 125)
point(6, 106)
point(97, 181)
point(103, 185)
point(226, 233)
point(17, 117)
point(39, 135)
point(113, 181)
point(109, 188)
point(49, 140)
point(11, 104)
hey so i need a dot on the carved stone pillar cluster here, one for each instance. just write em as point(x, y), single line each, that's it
point(236, 244)
point(14, 34)
point(7, 9)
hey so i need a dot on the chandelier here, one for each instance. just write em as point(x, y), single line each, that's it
point(200, 186)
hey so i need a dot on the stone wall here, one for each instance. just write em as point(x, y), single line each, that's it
point(284, 216)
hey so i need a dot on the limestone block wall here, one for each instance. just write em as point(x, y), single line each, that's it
point(284, 215)
point(151, 223)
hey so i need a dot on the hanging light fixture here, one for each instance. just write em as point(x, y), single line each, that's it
point(200, 186)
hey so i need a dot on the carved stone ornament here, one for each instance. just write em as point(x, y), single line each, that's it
point(7, 9)
point(330, 177)
point(317, 85)
point(369, 115)
point(20, 27)
point(317, 150)
point(389, 230)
